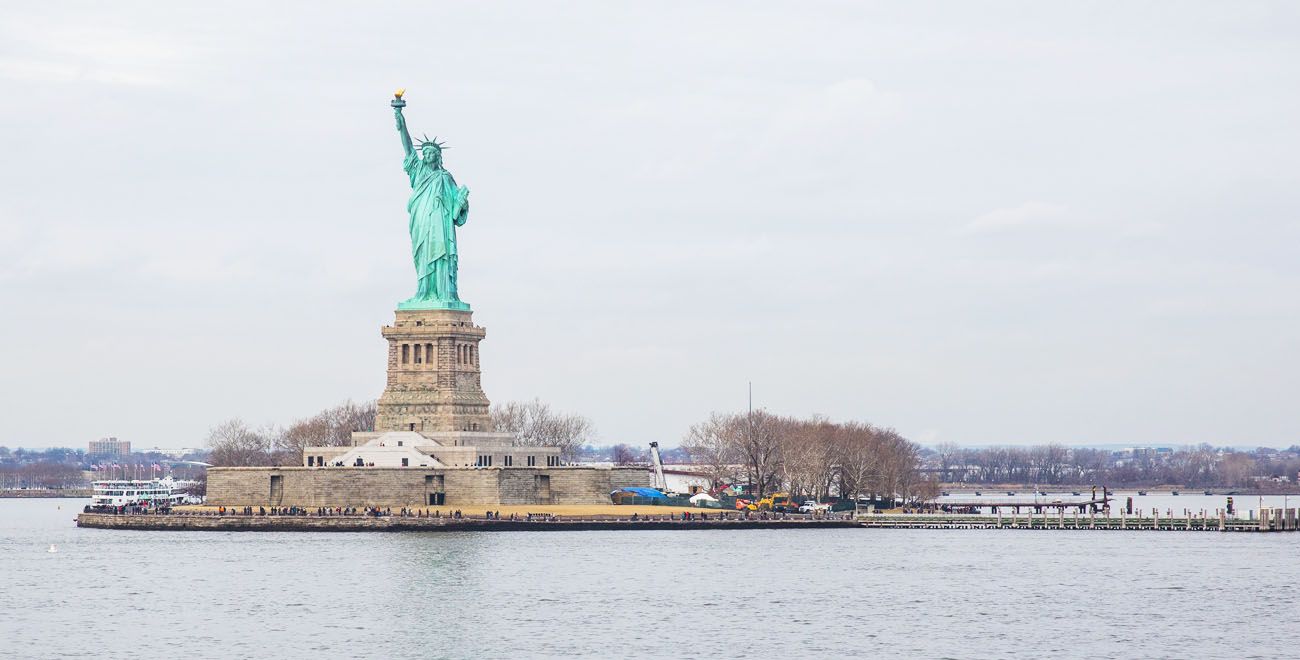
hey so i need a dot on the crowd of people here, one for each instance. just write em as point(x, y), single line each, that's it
point(129, 509)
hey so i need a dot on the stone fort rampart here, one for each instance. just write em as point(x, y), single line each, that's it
point(416, 487)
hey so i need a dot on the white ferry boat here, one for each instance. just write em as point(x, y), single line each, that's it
point(155, 492)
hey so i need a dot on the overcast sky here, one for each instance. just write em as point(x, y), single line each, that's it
point(1011, 223)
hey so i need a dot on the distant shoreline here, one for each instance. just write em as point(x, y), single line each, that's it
point(1154, 490)
point(69, 493)
point(1280, 521)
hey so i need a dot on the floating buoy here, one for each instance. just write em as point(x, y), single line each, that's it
point(52, 548)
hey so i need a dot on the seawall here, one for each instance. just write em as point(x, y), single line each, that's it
point(410, 487)
point(1278, 521)
point(230, 523)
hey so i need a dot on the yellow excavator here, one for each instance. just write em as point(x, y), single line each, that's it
point(780, 502)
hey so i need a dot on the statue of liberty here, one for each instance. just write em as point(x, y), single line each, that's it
point(437, 206)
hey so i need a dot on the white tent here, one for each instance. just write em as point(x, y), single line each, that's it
point(699, 498)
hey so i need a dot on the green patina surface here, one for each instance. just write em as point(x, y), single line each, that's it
point(437, 206)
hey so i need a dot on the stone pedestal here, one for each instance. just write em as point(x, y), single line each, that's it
point(433, 374)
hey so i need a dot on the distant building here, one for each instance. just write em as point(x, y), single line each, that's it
point(431, 449)
point(683, 479)
point(1143, 452)
point(177, 454)
point(109, 448)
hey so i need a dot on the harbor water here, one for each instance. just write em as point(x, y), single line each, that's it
point(777, 593)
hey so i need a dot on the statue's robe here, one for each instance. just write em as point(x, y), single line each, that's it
point(437, 206)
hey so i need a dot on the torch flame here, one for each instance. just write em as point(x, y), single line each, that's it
point(399, 92)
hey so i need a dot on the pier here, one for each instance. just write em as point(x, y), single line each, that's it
point(1028, 504)
point(1270, 520)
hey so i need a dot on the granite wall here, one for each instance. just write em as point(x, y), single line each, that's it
point(413, 487)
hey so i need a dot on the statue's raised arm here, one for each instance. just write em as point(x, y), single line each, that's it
point(398, 104)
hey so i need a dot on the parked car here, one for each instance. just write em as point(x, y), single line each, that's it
point(811, 506)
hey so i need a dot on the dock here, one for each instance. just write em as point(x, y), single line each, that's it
point(1028, 504)
point(1278, 521)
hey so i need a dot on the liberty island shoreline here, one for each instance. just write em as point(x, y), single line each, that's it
point(300, 520)
point(539, 522)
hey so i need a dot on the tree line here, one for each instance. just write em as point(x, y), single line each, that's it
point(535, 424)
point(811, 457)
point(43, 474)
point(234, 443)
point(1201, 466)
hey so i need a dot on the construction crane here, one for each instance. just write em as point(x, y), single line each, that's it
point(661, 482)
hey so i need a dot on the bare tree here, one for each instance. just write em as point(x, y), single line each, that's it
point(897, 463)
point(752, 441)
point(348, 417)
point(626, 455)
point(332, 427)
point(234, 444)
point(800, 450)
point(313, 431)
point(814, 457)
point(948, 454)
point(859, 461)
point(712, 445)
point(810, 457)
point(758, 435)
point(1235, 469)
point(50, 475)
point(534, 424)
point(926, 489)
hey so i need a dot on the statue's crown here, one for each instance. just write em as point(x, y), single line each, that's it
point(426, 142)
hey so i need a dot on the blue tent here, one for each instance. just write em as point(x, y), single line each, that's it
point(642, 492)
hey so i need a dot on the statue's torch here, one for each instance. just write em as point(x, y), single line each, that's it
point(397, 98)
